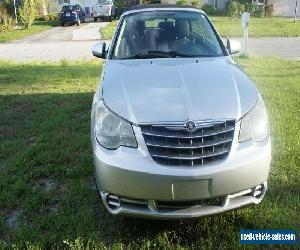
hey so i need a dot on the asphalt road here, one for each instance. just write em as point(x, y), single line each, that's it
point(283, 47)
point(75, 43)
point(69, 42)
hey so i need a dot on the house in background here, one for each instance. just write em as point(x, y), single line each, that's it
point(281, 7)
point(218, 4)
point(285, 7)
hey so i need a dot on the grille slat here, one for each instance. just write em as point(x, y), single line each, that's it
point(193, 156)
point(176, 146)
point(180, 134)
point(191, 146)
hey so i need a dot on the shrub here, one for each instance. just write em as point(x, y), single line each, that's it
point(27, 13)
point(196, 3)
point(51, 16)
point(244, 2)
point(259, 11)
point(40, 18)
point(234, 8)
point(7, 23)
point(269, 10)
point(182, 2)
point(249, 8)
point(241, 8)
point(120, 3)
point(208, 9)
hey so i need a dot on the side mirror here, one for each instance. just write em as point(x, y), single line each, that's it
point(233, 46)
point(99, 50)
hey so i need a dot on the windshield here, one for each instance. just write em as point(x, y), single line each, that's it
point(68, 8)
point(165, 34)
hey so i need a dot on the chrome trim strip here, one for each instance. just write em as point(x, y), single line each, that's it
point(192, 136)
point(182, 123)
point(190, 157)
point(189, 147)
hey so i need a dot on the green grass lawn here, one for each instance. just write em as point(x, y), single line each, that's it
point(37, 26)
point(108, 30)
point(229, 27)
point(48, 197)
point(259, 27)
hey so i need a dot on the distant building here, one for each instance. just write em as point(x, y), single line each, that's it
point(285, 7)
point(281, 7)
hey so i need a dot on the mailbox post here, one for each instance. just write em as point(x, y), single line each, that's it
point(245, 24)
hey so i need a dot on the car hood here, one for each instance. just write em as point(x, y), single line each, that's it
point(176, 90)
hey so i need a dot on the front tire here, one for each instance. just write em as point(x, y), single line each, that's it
point(95, 19)
point(62, 24)
point(110, 19)
point(78, 22)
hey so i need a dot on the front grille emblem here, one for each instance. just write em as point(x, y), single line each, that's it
point(190, 126)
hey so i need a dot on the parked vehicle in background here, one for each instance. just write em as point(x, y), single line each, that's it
point(72, 14)
point(104, 9)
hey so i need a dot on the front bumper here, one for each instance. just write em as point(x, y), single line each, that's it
point(102, 14)
point(129, 173)
point(174, 210)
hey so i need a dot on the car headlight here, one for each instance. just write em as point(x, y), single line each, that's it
point(111, 131)
point(254, 125)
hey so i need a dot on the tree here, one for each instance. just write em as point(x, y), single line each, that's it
point(182, 2)
point(27, 13)
point(196, 3)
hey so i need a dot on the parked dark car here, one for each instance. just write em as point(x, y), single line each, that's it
point(72, 14)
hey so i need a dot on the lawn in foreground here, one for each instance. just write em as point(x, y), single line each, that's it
point(231, 27)
point(37, 26)
point(47, 190)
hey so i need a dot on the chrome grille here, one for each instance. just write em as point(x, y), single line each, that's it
point(174, 145)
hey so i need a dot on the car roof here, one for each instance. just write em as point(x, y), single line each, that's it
point(158, 7)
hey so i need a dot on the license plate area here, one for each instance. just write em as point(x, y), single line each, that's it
point(192, 189)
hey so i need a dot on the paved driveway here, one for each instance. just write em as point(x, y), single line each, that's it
point(284, 47)
point(70, 42)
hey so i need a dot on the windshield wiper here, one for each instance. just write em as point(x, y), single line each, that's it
point(171, 53)
point(149, 55)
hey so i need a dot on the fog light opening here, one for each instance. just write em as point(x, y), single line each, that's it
point(259, 191)
point(113, 202)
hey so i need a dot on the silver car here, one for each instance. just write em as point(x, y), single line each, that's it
point(178, 129)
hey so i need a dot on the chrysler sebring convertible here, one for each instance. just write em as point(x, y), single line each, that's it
point(178, 129)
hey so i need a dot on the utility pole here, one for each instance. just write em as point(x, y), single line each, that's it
point(295, 17)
